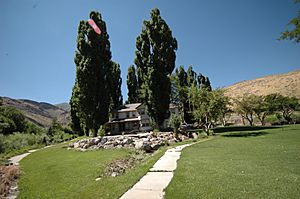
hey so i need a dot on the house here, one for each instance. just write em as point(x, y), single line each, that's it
point(133, 117)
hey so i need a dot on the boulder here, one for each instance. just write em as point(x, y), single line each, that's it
point(147, 147)
point(103, 140)
point(76, 145)
point(138, 144)
point(155, 145)
point(195, 135)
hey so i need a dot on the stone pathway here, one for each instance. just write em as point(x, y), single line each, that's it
point(152, 185)
point(16, 159)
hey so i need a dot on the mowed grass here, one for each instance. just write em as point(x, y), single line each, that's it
point(247, 164)
point(57, 173)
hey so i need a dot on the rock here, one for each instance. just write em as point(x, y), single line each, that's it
point(76, 145)
point(138, 144)
point(146, 147)
point(103, 140)
point(71, 145)
point(194, 135)
point(155, 145)
point(127, 141)
point(94, 141)
point(108, 146)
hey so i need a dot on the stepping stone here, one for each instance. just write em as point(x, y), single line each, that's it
point(151, 186)
point(167, 162)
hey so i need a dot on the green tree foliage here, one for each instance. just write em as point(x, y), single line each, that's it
point(132, 85)
point(174, 95)
point(54, 128)
point(208, 106)
point(182, 84)
point(115, 82)
point(155, 61)
point(11, 120)
point(175, 121)
point(93, 67)
point(294, 33)
point(263, 106)
point(186, 80)
point(245, 108)
point(75, 121)
point(191, 77)
point(204, 82)
point(286, 105)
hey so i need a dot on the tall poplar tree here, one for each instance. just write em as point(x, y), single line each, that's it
point(75, 121)
point(182, 83)
point(93, 62)
point(132, 85)
point(155, 61)
point(191, 77)
point(115, 82)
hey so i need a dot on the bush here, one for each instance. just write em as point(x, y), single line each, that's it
point(101, 131)
point(14, 118)
point(18, 141)
point(275, 119)
point(33, 129)
point(295, 118)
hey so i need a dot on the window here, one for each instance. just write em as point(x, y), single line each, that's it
point(127, 114)
point(142, 111)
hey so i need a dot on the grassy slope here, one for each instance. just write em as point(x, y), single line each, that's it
point(265, 164)
point(59, 173)
point(287, 84)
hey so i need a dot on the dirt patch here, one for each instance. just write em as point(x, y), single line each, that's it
point(119, 166)
point(122, 165)
point(8, 180)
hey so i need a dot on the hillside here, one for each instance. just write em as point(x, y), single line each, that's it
point(64, 106)
point(40, 113)
point(287, 84)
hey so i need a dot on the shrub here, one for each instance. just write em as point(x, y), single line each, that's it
point(295, 118)
point(18, 141)
point(101, 131)
point(33, 129)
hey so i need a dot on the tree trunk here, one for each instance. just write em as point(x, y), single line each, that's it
point(223, 121)
point(86, 131)
point(243, 120)
point(95, 132)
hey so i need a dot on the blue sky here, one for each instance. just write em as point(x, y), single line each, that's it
point(228, 41)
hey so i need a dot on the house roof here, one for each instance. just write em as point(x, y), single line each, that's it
point(128, 107)
point(135, 106)
point(135, 119)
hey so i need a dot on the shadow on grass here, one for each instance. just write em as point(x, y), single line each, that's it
point(245, 134)
point(242, 128)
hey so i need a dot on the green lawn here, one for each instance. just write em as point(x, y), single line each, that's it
point(264, 163)
point(60, 173)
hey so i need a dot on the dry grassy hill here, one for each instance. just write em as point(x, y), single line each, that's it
point(40, 113)
point(287, 84)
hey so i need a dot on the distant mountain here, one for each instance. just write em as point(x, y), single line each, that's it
point(40, 113)
point(64, 106)
point(287, 84)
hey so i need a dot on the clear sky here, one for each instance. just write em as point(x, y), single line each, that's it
point(228, 41)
